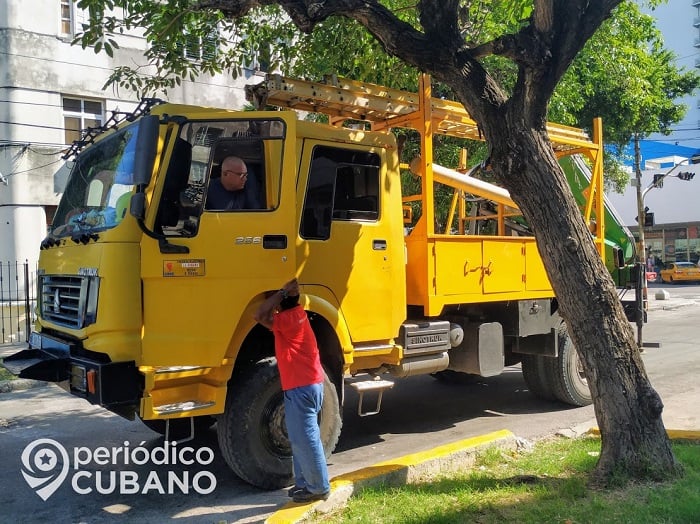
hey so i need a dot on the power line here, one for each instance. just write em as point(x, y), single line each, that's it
point(39, 125)
point(29, 103)
point(34, 168)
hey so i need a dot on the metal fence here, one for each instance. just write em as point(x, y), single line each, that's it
point(17, 301)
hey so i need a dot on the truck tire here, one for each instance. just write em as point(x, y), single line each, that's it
point(536, 376)
point(180, 427)
point(565, 374)
point(252, 433)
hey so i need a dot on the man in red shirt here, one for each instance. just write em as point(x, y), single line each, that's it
point(301, 375)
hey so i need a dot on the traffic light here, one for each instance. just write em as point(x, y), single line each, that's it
point(686, 175)
point(648, 218)
point(658, 180)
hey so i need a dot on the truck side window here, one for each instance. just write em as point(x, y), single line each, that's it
point(259, 142)
point(343, 185)
point(252, 195)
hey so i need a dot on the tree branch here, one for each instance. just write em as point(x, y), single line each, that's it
point(542, 17)
point(439, 19)
point(397, 37)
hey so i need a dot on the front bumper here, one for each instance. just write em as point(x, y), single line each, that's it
point(84, 374)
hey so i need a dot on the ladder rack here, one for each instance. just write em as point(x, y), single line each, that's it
point(384, 108)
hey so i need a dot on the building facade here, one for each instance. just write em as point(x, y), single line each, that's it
point(675, 207)
point(49, 91)
point(679, 23)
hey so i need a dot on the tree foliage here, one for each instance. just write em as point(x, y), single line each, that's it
point(623, 74)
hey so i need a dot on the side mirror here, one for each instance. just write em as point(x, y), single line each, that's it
point(137, 207)
point(146, 149)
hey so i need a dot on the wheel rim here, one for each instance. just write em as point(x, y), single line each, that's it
point(273, 431)
point(578, 369)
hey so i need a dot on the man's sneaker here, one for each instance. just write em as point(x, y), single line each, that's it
point(304, 495)
point(293, 490)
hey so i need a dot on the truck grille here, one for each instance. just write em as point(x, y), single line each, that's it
point(69, 300)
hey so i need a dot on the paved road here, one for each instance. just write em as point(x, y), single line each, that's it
point(418, 414)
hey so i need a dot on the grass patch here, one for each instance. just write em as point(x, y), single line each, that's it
point(545, 485)
point(4, 374)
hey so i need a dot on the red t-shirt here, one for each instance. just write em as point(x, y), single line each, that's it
point(296, 349)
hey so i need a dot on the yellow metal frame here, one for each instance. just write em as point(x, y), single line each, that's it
point(384, 108)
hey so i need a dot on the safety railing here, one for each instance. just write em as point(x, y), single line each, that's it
point(17, 301)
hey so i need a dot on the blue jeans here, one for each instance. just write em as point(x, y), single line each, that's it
point(301, 406)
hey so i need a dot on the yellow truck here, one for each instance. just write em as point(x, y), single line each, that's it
point(147, 293)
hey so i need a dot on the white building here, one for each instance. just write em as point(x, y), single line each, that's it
point(50, 90)
point(676, 233)
point(679, 23)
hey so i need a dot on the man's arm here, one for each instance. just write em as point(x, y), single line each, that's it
point(267, 309)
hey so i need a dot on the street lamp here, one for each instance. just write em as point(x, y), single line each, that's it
point(642, 210)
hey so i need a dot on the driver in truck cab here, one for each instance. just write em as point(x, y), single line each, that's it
point(234, 189)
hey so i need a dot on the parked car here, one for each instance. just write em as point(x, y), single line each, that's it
point(680, 272)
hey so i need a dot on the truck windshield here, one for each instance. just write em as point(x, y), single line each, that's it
point(99, 187)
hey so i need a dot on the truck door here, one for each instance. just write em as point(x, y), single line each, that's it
point(218, 253)
point(350, 244)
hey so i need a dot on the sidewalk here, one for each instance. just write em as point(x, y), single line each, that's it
point(663, 299)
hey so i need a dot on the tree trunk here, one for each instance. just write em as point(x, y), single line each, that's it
point(628, 409)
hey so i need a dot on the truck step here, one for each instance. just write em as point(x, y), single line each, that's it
point(37, 365)
point(17, 366)
point(365, 386)
point(181, 407)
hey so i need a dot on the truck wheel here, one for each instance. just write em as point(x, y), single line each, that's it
point(536, 377)
point(180, 427)
point(565, 373)
point(252, 433)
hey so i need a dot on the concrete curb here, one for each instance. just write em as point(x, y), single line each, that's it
point(669, 304)
point(673, 434)
point(396, 472)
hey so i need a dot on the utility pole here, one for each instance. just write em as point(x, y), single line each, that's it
point(641, 212)
point(641, 251)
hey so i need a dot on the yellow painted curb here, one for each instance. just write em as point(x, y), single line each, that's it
point(294, 512)
point(673, 434)
point(683, 434)
point(416, 458)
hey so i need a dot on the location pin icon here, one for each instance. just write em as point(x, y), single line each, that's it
point(44, 466)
